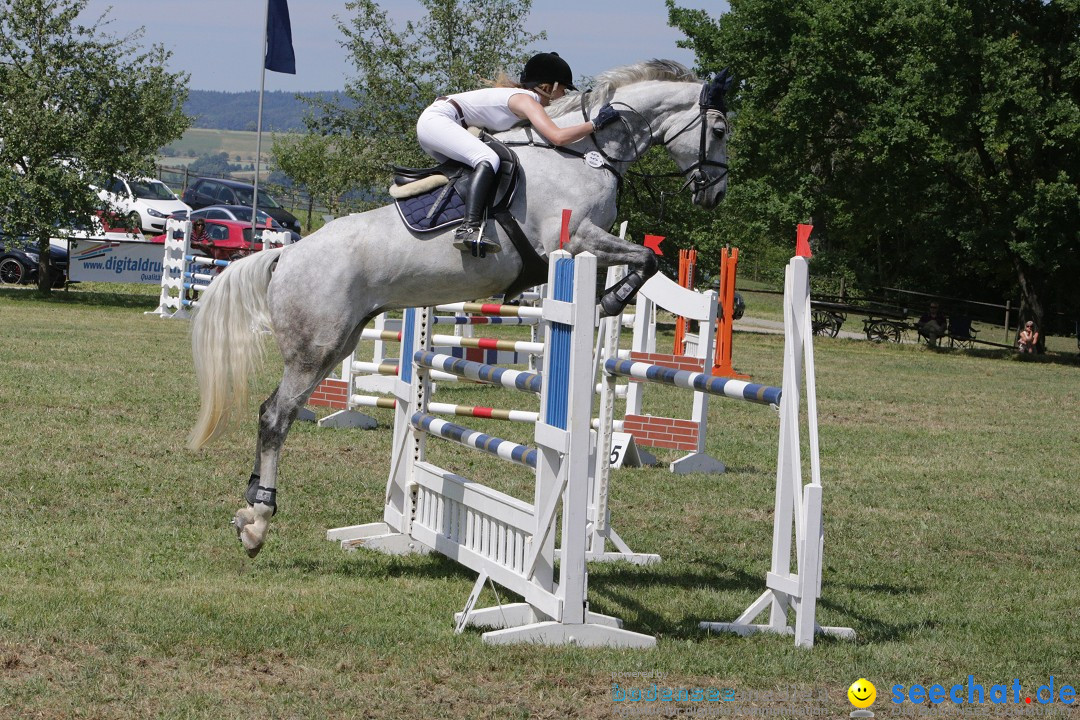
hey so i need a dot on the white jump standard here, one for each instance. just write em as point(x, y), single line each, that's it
point(504, 539)
point(798, 507)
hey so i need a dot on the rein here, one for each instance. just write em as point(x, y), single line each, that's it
point(695, 174)
point(606, 163)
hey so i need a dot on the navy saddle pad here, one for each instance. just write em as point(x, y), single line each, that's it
point(434, 210)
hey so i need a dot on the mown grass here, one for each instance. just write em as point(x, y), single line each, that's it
point(953, 537)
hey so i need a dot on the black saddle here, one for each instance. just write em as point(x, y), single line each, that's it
point(443, 207)
point(458, 174)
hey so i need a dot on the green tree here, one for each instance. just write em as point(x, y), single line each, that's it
point(216, 164)
point(325, 166)
point(930, 142)
point(457, 45)
point(77, 103)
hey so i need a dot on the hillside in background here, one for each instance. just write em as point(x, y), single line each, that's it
point(282, 111)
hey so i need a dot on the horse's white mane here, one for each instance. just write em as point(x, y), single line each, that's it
point(606, 83)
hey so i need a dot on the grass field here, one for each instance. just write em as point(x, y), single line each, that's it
point(206, 141)
point(952, 521)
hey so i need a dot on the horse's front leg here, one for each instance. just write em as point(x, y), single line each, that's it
point(612, 250)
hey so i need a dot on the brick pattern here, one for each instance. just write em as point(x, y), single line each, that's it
point(331, 393)
point(662, 431)
point(676, 362)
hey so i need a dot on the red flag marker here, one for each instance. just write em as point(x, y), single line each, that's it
point(802, 242)
point(564, 234)
point(653, 243)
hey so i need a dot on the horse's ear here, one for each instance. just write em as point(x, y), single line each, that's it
point(714, 92)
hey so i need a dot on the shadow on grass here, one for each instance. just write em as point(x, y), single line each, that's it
point(1002, 352)
point(372, 565)
point(622, 586)
point(130, 301)
point(622, 589)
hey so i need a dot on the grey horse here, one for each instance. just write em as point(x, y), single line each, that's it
point(317, 296)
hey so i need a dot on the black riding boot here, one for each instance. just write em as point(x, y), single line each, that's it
point(469, 232)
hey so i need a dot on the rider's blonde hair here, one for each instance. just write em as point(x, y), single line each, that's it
point(505, 81)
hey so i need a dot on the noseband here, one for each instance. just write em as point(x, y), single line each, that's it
point(695, 174)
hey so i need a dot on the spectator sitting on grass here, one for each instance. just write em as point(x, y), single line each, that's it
point(1029, 338)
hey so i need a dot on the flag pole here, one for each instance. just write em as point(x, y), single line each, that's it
point(258, 128)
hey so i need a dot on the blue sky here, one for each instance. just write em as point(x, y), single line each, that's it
point(219, 41)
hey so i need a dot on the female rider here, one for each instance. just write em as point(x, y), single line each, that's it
point(443, 134)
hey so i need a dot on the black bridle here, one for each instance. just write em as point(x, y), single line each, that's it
point(712, 100)
point(695, 174)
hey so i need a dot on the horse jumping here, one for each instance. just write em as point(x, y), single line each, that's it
point(318, 295)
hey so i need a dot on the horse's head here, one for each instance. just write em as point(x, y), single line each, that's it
point(697, 136)
point(660, 102)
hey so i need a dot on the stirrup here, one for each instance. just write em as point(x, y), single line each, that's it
point(472, 240)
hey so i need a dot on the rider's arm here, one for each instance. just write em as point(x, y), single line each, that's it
point(525, 107)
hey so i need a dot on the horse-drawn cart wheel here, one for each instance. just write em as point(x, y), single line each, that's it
point(883, 331)
point(825, 323)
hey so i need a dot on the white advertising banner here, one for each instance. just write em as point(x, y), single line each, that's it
point(115, 261)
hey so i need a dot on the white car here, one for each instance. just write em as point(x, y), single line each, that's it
point(144, 202)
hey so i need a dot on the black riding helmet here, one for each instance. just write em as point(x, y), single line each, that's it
point(547, 68)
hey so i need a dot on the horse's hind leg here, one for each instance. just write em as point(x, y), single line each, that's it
point(309, 357)
point(276, 416)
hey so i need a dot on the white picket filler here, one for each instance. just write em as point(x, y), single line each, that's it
point(177, 248)
point(504, 539)
point(184, 273)
point(798, 507)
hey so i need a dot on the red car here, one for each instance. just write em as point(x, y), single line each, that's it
point(227, 240)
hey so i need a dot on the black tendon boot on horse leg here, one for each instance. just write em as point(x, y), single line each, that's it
point(615, 298)
point(468, 236)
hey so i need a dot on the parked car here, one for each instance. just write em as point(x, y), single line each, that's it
point(19, 263)
point(236, 213)
point(144, 202)
point(228, 240)
point(205, 192)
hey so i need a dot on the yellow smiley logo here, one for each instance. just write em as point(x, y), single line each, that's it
point(862, 693)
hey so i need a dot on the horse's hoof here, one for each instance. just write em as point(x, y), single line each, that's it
point(250, 529)
point(251, 545)
point(243, 518)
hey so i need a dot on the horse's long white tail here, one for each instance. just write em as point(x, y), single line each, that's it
point(227, 341)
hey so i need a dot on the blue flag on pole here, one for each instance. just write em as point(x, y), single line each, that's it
point(279, 50)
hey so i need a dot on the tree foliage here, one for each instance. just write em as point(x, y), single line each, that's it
point(457, 45)
point(932, 143)
point(327, 168)
point(76, 103)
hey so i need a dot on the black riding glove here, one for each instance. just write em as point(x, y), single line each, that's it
point(605, 117)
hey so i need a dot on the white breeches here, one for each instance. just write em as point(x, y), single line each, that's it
point(442, 137)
